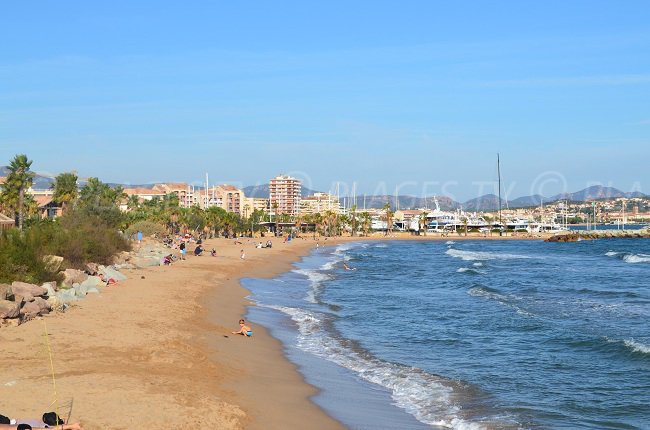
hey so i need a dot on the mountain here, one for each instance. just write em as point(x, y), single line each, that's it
point(596, 192)
point(41, 182)
point(484, 203)
point(528, 201)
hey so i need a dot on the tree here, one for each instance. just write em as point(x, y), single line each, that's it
point(275, 211)
point(65, 189)
point(102, 200)
point(20, 178)
point(389, 219)
point(366, 223)
point(422, 222)
point(353, 220)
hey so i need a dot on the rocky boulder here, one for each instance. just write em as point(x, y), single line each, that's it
point(9, 309)
point(72, 276)
point(5, 292)
point(109, 272)
point(50, 287)
point(52, 262)
point(27, 291)
point(92, 281)
point(35, 308)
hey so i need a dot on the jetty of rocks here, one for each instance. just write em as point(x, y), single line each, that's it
point(577, 235)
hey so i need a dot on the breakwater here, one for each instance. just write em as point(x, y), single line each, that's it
point(577, 235)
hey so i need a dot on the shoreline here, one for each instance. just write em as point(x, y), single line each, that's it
point(152, 349)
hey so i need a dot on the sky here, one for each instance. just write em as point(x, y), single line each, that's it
point(381, 97)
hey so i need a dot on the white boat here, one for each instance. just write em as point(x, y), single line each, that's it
point(439, 220)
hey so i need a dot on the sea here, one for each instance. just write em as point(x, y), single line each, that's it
point(469, 334)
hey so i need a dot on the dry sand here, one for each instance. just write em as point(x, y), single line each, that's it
point(157, 351)
point(153, 352)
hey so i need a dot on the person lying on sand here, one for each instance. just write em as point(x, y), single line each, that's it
point(49, 420)
point(73, 426)
point(244, 329)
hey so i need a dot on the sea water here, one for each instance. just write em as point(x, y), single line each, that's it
point(470, 334)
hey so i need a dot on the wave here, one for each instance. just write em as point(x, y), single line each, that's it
point(316, 279)
point(429, 398)
point(482, 255)
point(637, 346)
point(450, 242)
point(637, 258)
point(469, 270)
point(629, 257)
point(492, 294)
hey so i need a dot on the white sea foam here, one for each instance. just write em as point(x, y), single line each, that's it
point(629, 257)
point(450, 242)
point(316, 279)
point(419, 393)
point(477, 264)
point(637, 258)
point(481, 255)
point(637, 346)
point(468, 270)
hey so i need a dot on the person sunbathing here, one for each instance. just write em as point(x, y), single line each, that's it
point(50, 420)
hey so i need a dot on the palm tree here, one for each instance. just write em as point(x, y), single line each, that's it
point(423, 222)
point(366, 223)
point(18, 180)
point(65, 189)
point(389, 219)
point(353, 220)
point(275, 211)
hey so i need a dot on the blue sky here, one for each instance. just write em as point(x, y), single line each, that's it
point(418, 96)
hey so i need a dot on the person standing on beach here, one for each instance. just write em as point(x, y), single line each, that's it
point(242, 255)
point(182, 249)
point(139, 237)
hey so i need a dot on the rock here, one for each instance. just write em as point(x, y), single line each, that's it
point(92, 268)
point(43, 305)
point(31, 310)
point(9, 309)
point(50, 287)
point(5, 292)
point(66, 296)
point(125, 266)
point(14, 322)
point(91, 282)
point(109, 272)
point(52, 262)
point(141, 262)
point(27, 291)
point(81, 290)
point(72, 276)
point(122, 258)
point(92, 290)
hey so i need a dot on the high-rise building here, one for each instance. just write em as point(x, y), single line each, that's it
point(284, 191)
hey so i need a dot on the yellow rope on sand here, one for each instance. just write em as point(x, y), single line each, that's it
point(49, 352)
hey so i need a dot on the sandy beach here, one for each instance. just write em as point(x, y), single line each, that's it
point(157, 350)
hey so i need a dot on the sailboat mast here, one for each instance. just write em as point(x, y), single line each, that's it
point(499, 175)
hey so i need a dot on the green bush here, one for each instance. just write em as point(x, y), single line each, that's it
point(84, 237)
point(148, 228)
point(21, 256)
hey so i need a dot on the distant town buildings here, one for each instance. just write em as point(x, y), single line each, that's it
point(185, 192)
point(284, 195)
point(319, 203)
